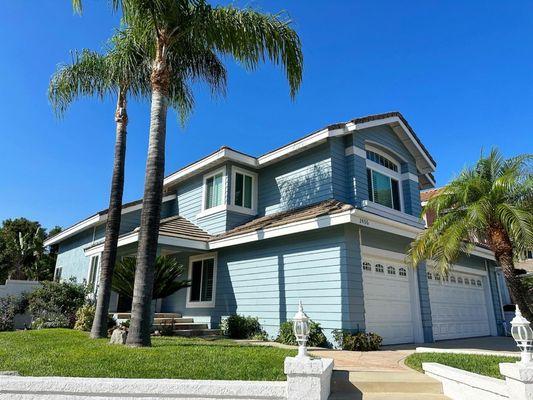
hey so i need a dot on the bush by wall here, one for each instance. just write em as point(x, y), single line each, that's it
point(85, 318)
point(316, 335)
point(358, 341)
point(54, 304)
point(241, 327)
point(9, 307)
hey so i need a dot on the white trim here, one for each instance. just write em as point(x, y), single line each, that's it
point(58, 267)
point(219, 171)
point(212, 210)
point(255, 186)
point(206, 162)
point(287, 229)
point(202, 304)
point(95, 220)
point(96, 273)
point(348, 151)
point(409, 176)
point(376, 148)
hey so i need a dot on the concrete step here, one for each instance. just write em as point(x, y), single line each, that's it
point(387, 396)
point(127, 315)
point(347, 382)
point(183, 327)
point(167, 320)
point(197, 332)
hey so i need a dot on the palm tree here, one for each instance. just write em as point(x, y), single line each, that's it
point(124, 71)
point(246, 35)
point(489, 204)
point(166, 280)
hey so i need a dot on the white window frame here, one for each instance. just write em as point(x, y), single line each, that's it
point(59, 267)
point(241, 209)
point(222, 206)
point(97, 272)
point(202, 304)
point(374, 166)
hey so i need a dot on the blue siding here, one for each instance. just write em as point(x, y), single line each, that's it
point(497, 306)
point(425, 303)
point(71, 256)
point(411, 197)
point(302, 180)
point(339, 175)
point(352, 278)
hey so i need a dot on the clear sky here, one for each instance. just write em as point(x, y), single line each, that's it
point(460, 72)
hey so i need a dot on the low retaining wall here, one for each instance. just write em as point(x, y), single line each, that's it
point(306, 379)
point(16, 288)
point(463, 385)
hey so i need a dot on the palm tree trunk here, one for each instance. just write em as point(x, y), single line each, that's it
point(503, 252)
point(141, 321)
point(112, 229)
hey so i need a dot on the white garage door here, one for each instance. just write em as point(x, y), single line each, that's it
point(458, 306)
point(387, 293)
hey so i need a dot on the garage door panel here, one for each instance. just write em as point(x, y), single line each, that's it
point(387, 301)
point(458, 310)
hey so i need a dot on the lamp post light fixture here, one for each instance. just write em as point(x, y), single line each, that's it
point(523, 336)
point(301, 330)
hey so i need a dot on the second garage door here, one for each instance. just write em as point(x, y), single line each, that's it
point(458, 306)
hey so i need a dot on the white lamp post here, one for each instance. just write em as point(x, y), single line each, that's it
point(523, 336)
point(301, 330)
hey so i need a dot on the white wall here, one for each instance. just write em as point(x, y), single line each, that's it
point(16, 288)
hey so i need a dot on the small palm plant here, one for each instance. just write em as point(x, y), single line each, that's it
point(491, 204)
point(168, 277)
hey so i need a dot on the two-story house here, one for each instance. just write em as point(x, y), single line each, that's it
point(325, 219)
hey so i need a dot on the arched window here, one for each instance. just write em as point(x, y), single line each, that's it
point(430, 276)
point(379, 268)
point(479, 283)
point(445, 278)
point(473, 282)
point(467, 282)
point(367, 266)
point(381, 160)
point(437, 277)
point(459, 280)
point(391, 270)
point(402, 272)
point(452, 279)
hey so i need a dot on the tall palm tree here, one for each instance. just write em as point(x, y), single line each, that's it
point(246, 35)
point(490, 204)
point(124, 70)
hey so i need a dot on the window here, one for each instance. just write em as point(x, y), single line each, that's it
point(202, 273)
point(452, 279)
point(391, 270)
point(214, 190)
point(459, 280)
point(402, 272)
point(467, 282)
point(379, 268)
point(244, 189)
point(430, 276)
point(479, 283)
point(57, 274)
point(437, 277)
point(383, 189)
point(367, 266)
point(94, 263)
point(381, 160)
point(473, 282)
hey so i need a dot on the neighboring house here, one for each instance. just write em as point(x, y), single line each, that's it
point(325, 219)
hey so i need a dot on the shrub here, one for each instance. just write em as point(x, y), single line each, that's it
point(358, 341)
point(241, 327)
point(9, 307)
point(85, 317)
point(55, 304)
point(316, 335)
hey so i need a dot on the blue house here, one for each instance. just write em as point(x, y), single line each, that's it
point(325, 219)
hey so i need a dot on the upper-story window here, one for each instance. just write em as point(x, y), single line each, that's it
point(381, 160)
point(214, 189)
point(383, 180)
point(94, 264)
point(244, 190)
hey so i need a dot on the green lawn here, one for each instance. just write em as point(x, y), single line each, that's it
point(64, 352)
point(479, 364)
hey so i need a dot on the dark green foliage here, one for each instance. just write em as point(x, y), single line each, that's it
point(9, 307)
point(241, 327)
point(55, 304)
point(478, 364)
point(166, 281)
point(22, 254)
point(358, 341)
point(316, 336)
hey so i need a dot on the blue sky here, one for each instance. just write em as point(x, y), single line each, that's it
point(460, 72)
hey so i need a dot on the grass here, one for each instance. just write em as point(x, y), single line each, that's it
point(64, 352)
point(479, 364)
